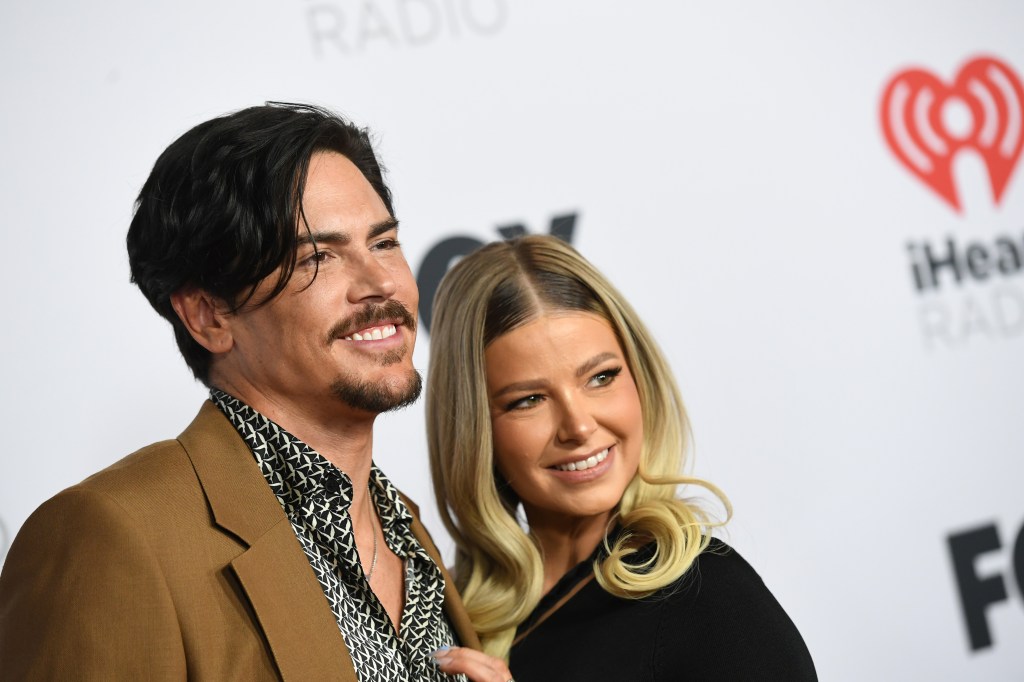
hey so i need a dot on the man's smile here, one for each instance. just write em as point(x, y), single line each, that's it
point(373, 333)
point(373, 323)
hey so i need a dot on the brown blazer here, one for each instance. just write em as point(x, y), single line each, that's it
point(176, 562)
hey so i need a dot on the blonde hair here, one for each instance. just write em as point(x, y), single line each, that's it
point(498, 566)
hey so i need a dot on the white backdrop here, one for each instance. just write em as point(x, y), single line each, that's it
point(727, 167)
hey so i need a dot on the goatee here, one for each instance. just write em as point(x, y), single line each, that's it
point(377, 398)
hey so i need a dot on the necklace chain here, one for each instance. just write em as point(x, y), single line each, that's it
point(373, 527)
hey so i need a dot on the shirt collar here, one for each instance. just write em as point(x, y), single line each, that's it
point(297, 473)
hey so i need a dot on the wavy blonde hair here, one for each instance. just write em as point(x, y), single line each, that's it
point(498, 566)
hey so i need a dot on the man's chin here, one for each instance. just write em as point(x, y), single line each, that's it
point(377, 397)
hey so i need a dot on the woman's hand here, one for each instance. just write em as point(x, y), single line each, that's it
point(475, 665)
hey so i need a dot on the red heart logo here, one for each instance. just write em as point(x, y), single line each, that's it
point(927, 122)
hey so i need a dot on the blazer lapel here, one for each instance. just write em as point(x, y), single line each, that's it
point(292, 609)
point(274, 572)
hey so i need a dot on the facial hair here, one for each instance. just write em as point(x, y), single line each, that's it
point(377, 397)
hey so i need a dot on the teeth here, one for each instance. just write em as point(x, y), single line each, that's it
point(373, 333)
point(584, 464)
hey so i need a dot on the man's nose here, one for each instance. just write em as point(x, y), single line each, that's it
point(371, 280)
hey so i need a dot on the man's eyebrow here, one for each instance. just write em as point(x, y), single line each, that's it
point(343, 238)
point(383, 226)
point(314, 238)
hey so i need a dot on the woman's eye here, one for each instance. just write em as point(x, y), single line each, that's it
point(524, 403)
point(606, 377)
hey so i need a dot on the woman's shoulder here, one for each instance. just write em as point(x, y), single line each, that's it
point(721, 583)
point(722, 564)
point(723, 606)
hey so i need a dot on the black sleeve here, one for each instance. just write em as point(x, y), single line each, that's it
point(723, 609)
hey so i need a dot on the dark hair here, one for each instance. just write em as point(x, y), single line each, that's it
point(221, 208)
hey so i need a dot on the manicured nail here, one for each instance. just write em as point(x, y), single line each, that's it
point(440, 657)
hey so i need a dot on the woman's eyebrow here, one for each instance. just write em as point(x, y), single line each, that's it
point(518, 386)
point(593, 362)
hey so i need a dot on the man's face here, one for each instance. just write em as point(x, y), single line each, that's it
point(344, 339)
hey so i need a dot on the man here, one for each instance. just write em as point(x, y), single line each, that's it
point(262, 543)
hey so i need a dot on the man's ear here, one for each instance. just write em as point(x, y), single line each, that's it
point(205, 318)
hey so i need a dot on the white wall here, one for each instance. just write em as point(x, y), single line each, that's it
point(728, 169)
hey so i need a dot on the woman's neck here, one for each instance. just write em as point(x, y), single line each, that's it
point(566, 542)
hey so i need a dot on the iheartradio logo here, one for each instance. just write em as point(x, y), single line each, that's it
point(927, 122)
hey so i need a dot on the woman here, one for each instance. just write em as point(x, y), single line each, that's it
point(547, 393)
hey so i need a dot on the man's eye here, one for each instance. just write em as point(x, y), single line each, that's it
point(315, 258)
point(387, 244)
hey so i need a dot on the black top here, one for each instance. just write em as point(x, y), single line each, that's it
point(717, 622)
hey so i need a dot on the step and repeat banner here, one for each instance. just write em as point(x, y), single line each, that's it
point(817, 207)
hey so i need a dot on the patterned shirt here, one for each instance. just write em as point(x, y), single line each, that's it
point(316, 496)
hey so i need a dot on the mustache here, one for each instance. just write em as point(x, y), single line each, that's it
point(371, 316)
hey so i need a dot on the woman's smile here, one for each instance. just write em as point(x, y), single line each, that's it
point(565, 414)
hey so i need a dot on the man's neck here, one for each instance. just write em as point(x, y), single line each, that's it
point(343, 436)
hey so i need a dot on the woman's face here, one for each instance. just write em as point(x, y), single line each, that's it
point(565, 414)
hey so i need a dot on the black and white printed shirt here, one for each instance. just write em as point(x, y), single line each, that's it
point(316, 496)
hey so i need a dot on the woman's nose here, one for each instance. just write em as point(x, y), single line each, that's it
point(576, 424)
